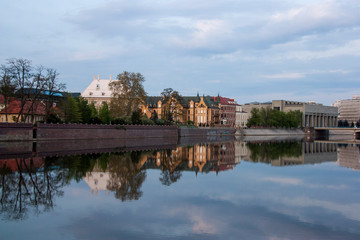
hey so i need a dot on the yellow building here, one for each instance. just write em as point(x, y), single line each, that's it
point(202, 111)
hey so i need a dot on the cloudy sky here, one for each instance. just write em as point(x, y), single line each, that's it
point(251, 50)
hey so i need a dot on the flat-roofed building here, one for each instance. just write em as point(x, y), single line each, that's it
point(314, 114)
point(350, 110)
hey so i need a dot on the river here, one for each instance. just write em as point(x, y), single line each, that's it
point(253, 189)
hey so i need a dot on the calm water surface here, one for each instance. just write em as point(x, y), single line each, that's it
point(224, 190)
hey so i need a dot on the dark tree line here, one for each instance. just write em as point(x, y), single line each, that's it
point(267, 117)
point(345, 123)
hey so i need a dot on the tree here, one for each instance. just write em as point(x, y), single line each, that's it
point(52, 89)
point(136, 117)
point(85, 110)
point(255, 119)
point(32, 87)
point(127, 94)
point(104, 113)
point(71, 110)
point(171, 107)
point(21, 73)
point(7, 87)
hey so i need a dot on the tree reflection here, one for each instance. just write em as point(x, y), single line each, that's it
point(126, 178)
point(172, 162)
point(268, 151)
point(29, 188)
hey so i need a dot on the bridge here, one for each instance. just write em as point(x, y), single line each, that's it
point(324, 131)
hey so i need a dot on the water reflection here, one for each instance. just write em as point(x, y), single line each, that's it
point(32, 185)
point(29, 185)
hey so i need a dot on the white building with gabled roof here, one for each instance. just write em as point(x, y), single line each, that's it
point(98, 91)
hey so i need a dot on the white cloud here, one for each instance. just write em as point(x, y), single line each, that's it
point(285, 181)
point(351, 48)
point(285, 76)
point(349, 210)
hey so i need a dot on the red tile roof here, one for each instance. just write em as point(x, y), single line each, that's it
point(226, 101)
point(15, 106)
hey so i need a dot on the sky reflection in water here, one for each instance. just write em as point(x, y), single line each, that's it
point(231, 190)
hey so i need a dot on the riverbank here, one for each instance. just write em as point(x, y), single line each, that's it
point(269, 132)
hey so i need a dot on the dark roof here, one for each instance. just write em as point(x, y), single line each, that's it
point(33, 91)
point(152, 101)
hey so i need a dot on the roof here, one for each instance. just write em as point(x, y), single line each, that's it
point(98, 88)
point(33, 91)
point(15, 106)
point(152, 101)
point(226, 101)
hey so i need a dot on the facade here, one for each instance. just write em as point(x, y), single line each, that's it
point(202, 111)
point(228, 111)
point(314, 114)
point(31, 113)
point(350, 110)
point(241, 117)
point(98, 92)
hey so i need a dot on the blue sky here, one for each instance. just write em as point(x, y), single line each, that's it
point(249, 50)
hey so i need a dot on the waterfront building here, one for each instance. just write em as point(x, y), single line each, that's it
point(241, 117)
point(313, 114)
point(31, 112)
point(349, 109)
point(202, 111)
point(98, 92)
point(349, 156)
point(228, 110)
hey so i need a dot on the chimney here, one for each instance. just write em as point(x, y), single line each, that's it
point(94, 77)
point(98, 77)
point(110, 78)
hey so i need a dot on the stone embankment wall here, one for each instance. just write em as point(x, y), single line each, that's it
point(269, 132)
point(16, 132)
point(85, 131)
point(205, 131)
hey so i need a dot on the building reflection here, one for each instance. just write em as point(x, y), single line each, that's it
point(290, 153)
point(33, 183)
point(349, 156)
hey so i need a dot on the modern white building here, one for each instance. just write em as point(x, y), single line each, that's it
point(350, 109)
point(98, 92)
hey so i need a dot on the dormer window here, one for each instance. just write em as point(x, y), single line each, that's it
point(90, 93)
point(97, 86)
point(103, 94)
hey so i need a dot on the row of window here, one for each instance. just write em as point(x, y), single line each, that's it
point(91, 93)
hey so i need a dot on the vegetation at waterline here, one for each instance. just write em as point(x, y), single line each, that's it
point(267, 117)
point(268, 151)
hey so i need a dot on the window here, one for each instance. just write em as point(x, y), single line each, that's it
point(97, 86)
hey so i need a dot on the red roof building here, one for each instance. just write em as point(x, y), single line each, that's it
point(228, 110)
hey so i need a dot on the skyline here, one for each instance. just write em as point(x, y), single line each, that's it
point(246, 50)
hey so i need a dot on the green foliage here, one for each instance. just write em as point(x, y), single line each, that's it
point(267, 151)
point(267, 117)
point(160, 122)
point(147, 121)
point(171, 108)
point(71, 110)
point(136, 117)
point(128, 94)
point(53, 118)
point(85, 110)
point(104, 113)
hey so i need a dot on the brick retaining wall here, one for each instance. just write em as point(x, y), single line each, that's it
point(16, 131)
point(90, 131)
point(187, 132)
